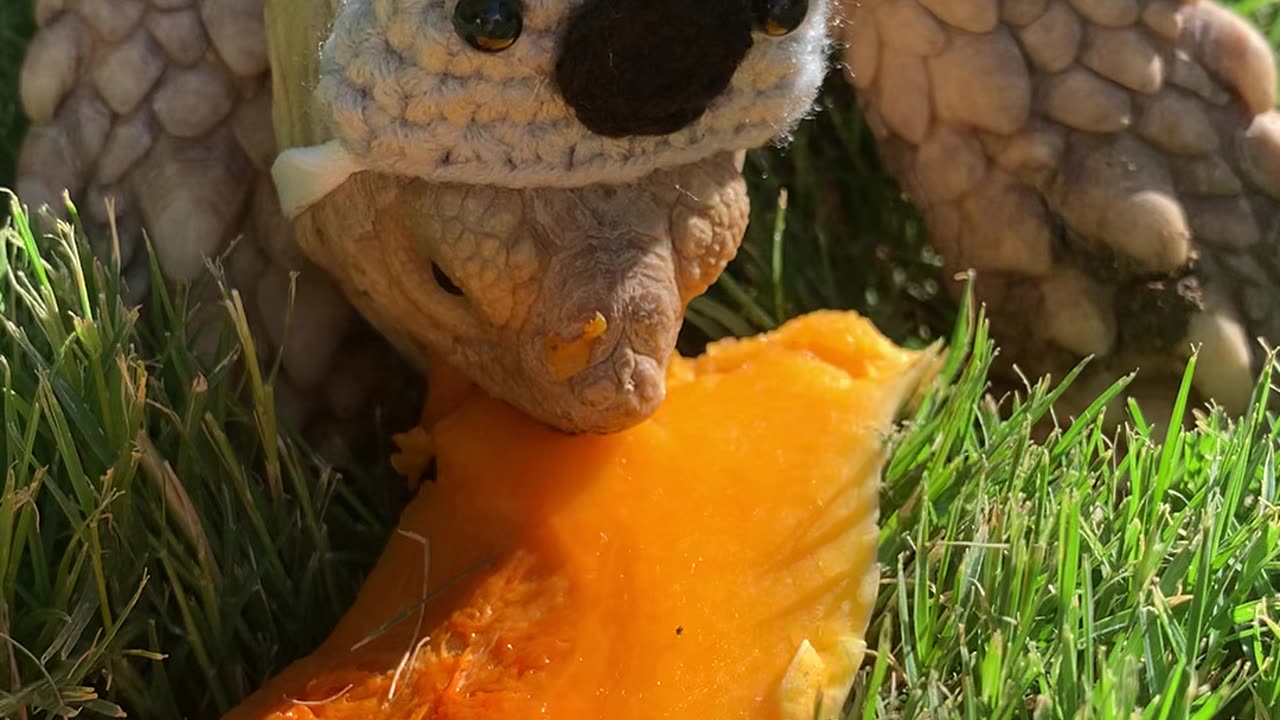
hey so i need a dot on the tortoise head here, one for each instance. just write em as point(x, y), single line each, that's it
point(533, 190)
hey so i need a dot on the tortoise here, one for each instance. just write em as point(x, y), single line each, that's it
point(532, 191)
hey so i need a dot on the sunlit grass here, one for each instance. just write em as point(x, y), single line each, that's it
point(164, 543)
point(1089, 575)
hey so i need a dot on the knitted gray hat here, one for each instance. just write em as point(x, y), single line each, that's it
point(403, 94)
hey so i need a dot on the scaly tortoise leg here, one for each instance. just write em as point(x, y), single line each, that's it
point(165, 107)
point(1109, 168)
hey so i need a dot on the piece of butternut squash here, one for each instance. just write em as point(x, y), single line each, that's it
point(716, 561)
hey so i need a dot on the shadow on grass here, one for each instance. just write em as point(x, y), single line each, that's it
point(16, 25)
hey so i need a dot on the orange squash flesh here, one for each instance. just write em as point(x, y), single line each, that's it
point(715, 562)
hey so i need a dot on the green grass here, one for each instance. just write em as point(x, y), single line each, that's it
point(165, 545)
point(1085, 576)
point(16, 24)
point(154, 514)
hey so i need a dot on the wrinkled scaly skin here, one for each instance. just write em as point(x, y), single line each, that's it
point(530, 270)
point(164, 106)
point(1109, 168)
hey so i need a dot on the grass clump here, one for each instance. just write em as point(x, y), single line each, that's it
point(1134, 574)
point(164, 543)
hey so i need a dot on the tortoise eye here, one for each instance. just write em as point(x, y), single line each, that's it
point(489, 25)
point(445, 282)
point(779, 17)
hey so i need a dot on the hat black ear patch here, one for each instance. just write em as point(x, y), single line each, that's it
point(650, 67)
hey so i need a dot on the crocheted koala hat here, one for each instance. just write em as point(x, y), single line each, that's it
point(405, 94)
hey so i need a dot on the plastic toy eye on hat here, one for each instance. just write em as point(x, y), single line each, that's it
point(489, 25)
point(779, 17)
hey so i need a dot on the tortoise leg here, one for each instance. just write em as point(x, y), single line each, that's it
point(1109, 169)
point(165, 107)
